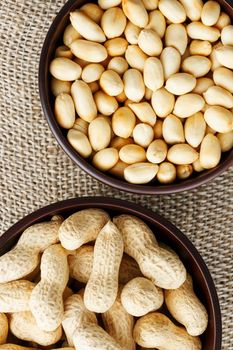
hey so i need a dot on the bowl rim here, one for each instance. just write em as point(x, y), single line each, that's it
point(150, 189)
point(133, 209)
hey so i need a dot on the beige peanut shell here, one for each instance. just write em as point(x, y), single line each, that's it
point(10, 346)
point(3, 328)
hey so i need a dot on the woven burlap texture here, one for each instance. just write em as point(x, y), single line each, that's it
point(34, 171)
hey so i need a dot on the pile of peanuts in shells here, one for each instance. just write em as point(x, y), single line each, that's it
point(145, 87)
point(95, 282)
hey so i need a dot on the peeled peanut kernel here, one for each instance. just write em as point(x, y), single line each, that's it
point(106, 104)
point(200, 47)
point(219, 118)
point(202, 85)
point(162, 102)
point(83, 100)
point(158, 129)
point(93, 11)
point(123, 122)
point(140, 173)
point(121, 97)
point(180, 83)
point(106, 4)
point(64, 110)
point(92, 72)
point(63, 51)
point(171, 60)
point(223, 21)
point(144, 112)
point(157, 151)
point(134, 87)
point(148, 94)
point(153, 73)
point(59, 86)
point(87, 28)
point(111, 83)
point(116, 46)
point(118, 64)
point(197, 30)
point(210, 152)
point(81, 62)
point(188, 104)
point(224, 77)
point(176, 36)
point(198, 66)
point(105, 159)
point(210, 13)
point(132, 33)
point(94, 86)
point(70, 35)
point(118, 142)
point(226, 141)
point(224, 55)
point(143, 134)
point(172, 10)
point(113, 22)
point(131, 154)
point(173, 131)
point(166, 173)
point(99, 133)
point(81, 125)
point(157, 22)
point(150, 4)
point(80, 142)
point(213, 57)
point(182, 154)
point(88, 50)
point(150, 42)
point(193, 8)
point(217, 95)
point(135, 12)
point(65, 69)
point(135, 57)
point(118, 169)
point(183, 172)
point(194, 129)
point(197, 166)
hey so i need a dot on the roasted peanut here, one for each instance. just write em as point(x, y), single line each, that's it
point(150, 42)
point(219, 118)
point(105, 159)
point(113, 22)
point(172, 10)
point(180, 83)
point(83, 100)
point(166, 173)
point(135, 12)
point(210, 152)
point(64, 110)
point(182, 154)
point(93, 11)
point(176, 36)
point(80, 142)
point(65, 69)
point(157, 22)
point(172, 130)
point(143, 134)
point(88, 51)
point(131, 154)
point(194, 129)
point(226, 141)
point(134, 87)
point(140, 173)
point(123, 122)
point(135, 57)
point(144, 112)
point(86, 27)
point(188, 104)
point(170, 59)
point(111, 83)
point(157, 151)
point(153, 73)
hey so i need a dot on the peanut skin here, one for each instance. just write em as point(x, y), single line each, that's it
point(3, 328)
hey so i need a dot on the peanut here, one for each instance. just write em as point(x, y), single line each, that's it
point(83, 99)
point(150, 42)
point(140, 173)
point(105, 159)
point(143, 134)
point(180, 83)
point(193, 8)
point(158, 129)
point(12, 291)
point(59, 86)
point(118, 142)
point(10, 346)
point(172, 130)
point(224, 77)
point(223, 21)
point(70, 35)
point(64, 69)
point(157, 151)
point(196, 65)
point(226, 141)
point(63, 51)
point(219, 118)
point(93, 11)
point(200, 47)
point(105, 104)
point(92, 72)
point(199, 31)
point(182, 154)
point(88, 51)
point(135, 57)
point(116, 46)
point(183, 172)
point(166, 173)
point(134, 85)
point(144, 112)
point(226, 35)
point(135, 12)
point(170, 59)
point(4, 328)
point(113, 22)
point(194, 129)
point(99, 133)
point(123, 122)
point(150, 4)
point(111, 83)
point(176, 36)
point(132, 33)
point(162, 102)
point(131, 154)
point(153, 73)
point(118, 169)
point(80, 142)
point(106, 4)
point(210, 152)
point(210, 13)
point(157, 22)
point(216, 95)
point(224, 55)
point(202, 85)
point(64, 110)
point(187, 105)
point(118, 64)
point(172, 10)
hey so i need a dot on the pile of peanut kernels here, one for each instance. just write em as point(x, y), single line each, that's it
point(145, 87)
point(121, 273)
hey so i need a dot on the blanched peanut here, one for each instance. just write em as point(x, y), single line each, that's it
point(226, 141)
point(223, 21)
point(118, 64)
point(134, 87)
point(198, 66)
point(210, 13)
point(93, 11)
point(135, 57)
point(64, 110)
point(170, 59)
point(63, 51)
point(105, 159)
point(194, 129)
point(188, 104)
point(135, 12)
point(182, 154)
point(158, 129)
point(197, 30)
point(210, 152)
point(65, 69)
point(94, 86)
point(123, 122)
point(87, 28)
point(118, 169)
point(217, 95)
point(224, 77)
point(140, 173)
point(176, 36)
point(83, 100)
point(163, 102)
point(143, 134)
point(88, 50)
point(113, 22)
point(102, 286)
point(157, 22)
point(121, 98)
point(200, 47)
point(59, 86)
point(193, 8)
point(111, 83)
point(172, 10)
point(118, 142)
point(131, 154)
point(144, 112)
point(157, 151)
point(99, 133)
point(131, 33)
point(106, 104)
point(197, 166)
point(148, 94)
point(183, 172)
point(156, 330)
point(150, 4)
point(180, 83)
point(12, 291)
point(166, 173)
point(116, 46)
point(4, 328)
point(202, 85)
point(80, 142)
point(213, 57)
point(70, 35)
point(92, 72)
point(224, 55)
point(140, 296)
point(153, 73)
point(186, 308)
point(150, 42)
point(145, 250)
point(106, 4)
point(173, 131)
point(219, 118)
point(82, 227)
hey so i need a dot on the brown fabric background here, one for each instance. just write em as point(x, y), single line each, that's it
point(34, 171)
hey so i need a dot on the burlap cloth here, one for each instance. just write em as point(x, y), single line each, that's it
point(34, 171)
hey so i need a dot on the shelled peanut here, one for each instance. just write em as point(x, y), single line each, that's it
point(130, 68)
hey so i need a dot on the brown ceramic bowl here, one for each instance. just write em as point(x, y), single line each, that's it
point(52, 40)
point(165, 232)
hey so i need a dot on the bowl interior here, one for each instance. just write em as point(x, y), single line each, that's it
point(164, 231)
